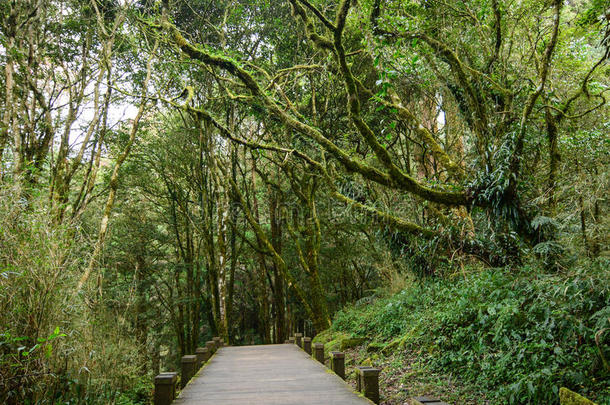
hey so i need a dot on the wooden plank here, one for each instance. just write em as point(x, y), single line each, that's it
point(267, 375)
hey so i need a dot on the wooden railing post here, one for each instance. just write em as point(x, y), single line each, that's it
point(291, 340)
point(337, 363)
point(211, 346)
point(298, 337)
point(202, 356)
point(318, 350)
point(359, 384)
point(165, 388)
point(307, 345)
point(368, 382)
point(218, 342)
point(188, 369)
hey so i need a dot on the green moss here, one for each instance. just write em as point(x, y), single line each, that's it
point(334, 341)
point(375, 347)
point(331, 340)
point(326, 336)
point(348, 343)
point(395, 344)
point(567, 397)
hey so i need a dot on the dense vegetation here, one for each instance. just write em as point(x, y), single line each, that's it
point(508, 336)
point(424, 182)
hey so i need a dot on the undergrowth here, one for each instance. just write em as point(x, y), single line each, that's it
point(517, 335)
point(56, 346)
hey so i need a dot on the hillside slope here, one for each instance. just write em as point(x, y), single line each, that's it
point(493, 337)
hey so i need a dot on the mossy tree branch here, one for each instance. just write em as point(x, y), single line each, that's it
point(394, 179)
point(392, 221)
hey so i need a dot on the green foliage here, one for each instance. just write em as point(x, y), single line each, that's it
point(519, 337)
point(53, 347)
point(139, 392)
point(442, 86)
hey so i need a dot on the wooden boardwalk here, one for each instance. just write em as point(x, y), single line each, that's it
point(267, 375)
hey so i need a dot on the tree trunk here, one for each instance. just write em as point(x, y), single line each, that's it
point(279, 302)
point(554, 159)
point(141, 324)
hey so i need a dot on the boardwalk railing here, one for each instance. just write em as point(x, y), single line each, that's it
point(165, 383)
point(367, 378)
point(367, 384)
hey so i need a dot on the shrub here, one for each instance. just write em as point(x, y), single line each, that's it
point(518, 335)
point(57, 346)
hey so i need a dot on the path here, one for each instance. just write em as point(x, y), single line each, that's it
point(267, 375)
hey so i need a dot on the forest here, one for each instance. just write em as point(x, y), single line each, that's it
point(422, 183)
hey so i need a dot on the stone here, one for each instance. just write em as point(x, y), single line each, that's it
point(375, 347)
point(568, 397)
point(428, 401)
point(348, 343)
